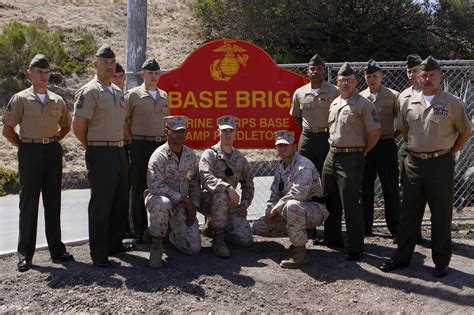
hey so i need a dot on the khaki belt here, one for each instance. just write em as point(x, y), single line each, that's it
point(430, 155)
point(127, 142)
point(150, 138)
point(316, 130)
point(40, 140)
point(105, 143)
point(346, 150)
point(386, 137)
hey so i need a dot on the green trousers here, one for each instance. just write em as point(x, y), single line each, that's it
point(40, 170)
point(342, 181)
point(140, 152)
point(108, 206)
point(427, 181)
point(314, 146)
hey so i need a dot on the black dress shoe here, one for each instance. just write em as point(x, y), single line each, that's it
point(392, 264)
point(323, 242)
point(62, 257)
point(354, 256)
point(24, 265)
point(440, 271)
point(103, 263)
point(125, 247)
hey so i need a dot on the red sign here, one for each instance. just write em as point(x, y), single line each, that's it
point(232, 77)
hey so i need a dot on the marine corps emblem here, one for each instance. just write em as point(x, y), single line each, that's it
point(225, 68)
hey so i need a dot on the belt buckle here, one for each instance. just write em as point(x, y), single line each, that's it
point(45, 140)
point(157, 139)
point(424, 156)
point(346, 150)
point(120, 144)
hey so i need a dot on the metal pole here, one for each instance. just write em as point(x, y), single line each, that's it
point(136, 40)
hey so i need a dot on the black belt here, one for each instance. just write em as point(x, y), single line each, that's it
point(40, 140)
point(316, 130)
point(346, 150)
point(106, 143)
point(430, 155)
point(386, 137)
point(150, 138)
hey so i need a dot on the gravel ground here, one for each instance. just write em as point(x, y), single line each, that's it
point(250, 281)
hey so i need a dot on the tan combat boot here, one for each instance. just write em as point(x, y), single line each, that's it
point(207, 229)
point(218, 244)
point(156, 251)
point(300, 257)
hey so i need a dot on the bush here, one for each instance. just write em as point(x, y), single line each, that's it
point(9, 182)
point(67, 51)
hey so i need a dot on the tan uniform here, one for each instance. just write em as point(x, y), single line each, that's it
point(39, 164)
point(107, 163)
point(296, 210)
point(429, 177)
point(349, 125)
point(434, 128)
point(169, 179)
point(387, 106)
point(37, 120)
point(382, 161)
point(215, 200)
point(145, 116)
point(313, 109)
point(104, 110)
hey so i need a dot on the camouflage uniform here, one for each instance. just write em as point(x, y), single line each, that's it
point(297, 212)
point(169, 178)
point(215, 200)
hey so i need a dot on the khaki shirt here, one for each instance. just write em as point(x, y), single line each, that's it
point(300, 180)
point(36, 120)
point(387, 106)
point(104, 110)
point(349, 124)
point(434, 128)
point(313, 108)
point(405, 95)
point(212, 168)
point(144, 113)
point(173, 177)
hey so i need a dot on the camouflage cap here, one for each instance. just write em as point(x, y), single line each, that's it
point(105, 52)
point(227, 122)
point(284, 137)
point(372, 67)
point(151, 64)
point(430, 64)
point(175, 122)
point(40, 61)
point(118, 68)
point(316, 61)
point(413, 60)
point(345, 70)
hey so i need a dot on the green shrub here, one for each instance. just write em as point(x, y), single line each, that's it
point(68, 51)
point(9, 182)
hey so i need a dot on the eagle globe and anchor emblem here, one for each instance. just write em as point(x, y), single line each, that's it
point(224, 69)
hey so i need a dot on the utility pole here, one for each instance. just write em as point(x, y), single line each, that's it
point(136, 41)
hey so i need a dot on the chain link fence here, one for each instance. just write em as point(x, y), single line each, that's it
point(458, 80)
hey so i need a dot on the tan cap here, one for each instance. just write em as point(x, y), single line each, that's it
point(176, 122)
point(285, 137)
point(227, 122)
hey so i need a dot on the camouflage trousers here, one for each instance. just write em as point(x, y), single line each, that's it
point(295, 218)
point(237, 228)
point(162, 211)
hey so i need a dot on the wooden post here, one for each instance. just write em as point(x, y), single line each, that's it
point(136, 41)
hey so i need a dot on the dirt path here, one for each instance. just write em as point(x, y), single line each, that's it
point(250, 281)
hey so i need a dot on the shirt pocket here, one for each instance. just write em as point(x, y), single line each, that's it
point(414, 122)
point(439, 125)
